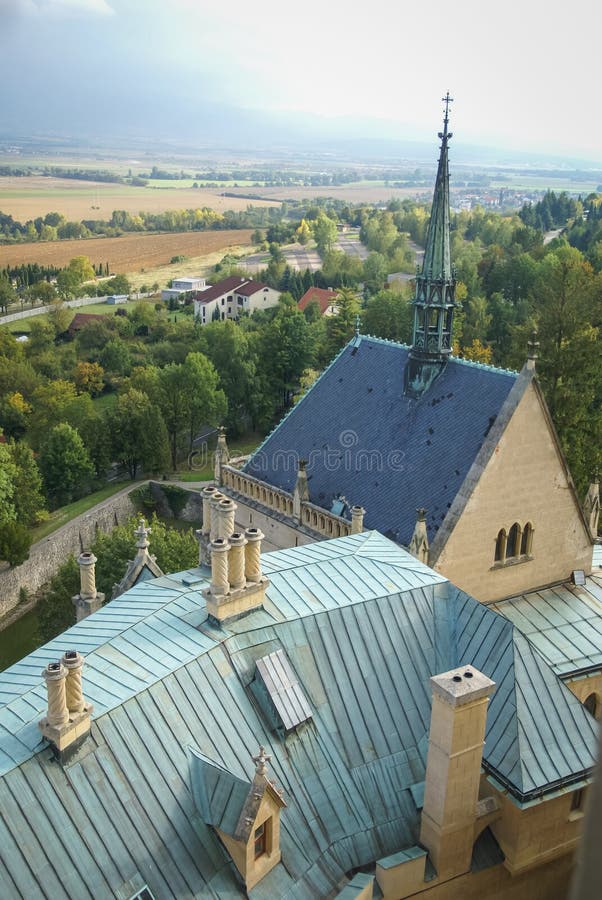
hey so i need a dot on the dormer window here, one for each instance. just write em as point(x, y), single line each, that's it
point(245, 815)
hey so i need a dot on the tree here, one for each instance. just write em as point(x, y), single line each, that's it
point(15, 541)
point(8, 294)
point(388, 314)
point(41, 292)
point(7, 485)
point(340, 328)
point(89, 377)
point(82, 268)
point(119, 284)
point(139, 434)
point(28, 498)
point(234, 353)
point(59, 316)
point(565, 306)
point(325, 233)
point(287, 353)
point(303, 233)
point(376, 269)
point(189, 396)
point(65, 465)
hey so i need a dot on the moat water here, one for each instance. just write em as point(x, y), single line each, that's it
point(19, 639)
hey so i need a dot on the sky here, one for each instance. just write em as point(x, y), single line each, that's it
point(522, 75)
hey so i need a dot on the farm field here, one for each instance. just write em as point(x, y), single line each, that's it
point(130, 252)
point(28, 197)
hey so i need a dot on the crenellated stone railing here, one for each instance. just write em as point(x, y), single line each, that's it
point(312, 517)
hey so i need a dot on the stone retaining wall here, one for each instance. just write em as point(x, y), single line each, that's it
point(48, 554)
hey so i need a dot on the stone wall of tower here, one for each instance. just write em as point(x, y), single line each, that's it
point(524, 481)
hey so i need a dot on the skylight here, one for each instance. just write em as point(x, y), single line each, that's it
point(279, 692)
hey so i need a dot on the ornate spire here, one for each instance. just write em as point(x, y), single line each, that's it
point(141, 534)
point(434, 299)
point(261, 761)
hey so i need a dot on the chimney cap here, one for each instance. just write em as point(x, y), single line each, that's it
point(462, 685)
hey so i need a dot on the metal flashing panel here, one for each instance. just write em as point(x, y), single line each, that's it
point(283, 689)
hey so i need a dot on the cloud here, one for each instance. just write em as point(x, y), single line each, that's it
point(10, 9)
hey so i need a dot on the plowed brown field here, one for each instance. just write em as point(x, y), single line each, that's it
point(129, 253)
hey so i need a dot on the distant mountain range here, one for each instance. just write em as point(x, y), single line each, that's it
point(204, 129)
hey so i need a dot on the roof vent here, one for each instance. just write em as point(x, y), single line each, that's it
point(279, 693)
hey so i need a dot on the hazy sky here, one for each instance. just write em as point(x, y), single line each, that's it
point(522, 74)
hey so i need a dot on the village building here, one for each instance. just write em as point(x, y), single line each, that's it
point(234, 295)
point(183, 287)
point(326, 300)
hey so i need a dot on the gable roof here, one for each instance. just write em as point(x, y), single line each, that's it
point(250, 288)
point(384, 451)
point(364, 625)
point(80, 320)
point(321, 296)
point(215, 291)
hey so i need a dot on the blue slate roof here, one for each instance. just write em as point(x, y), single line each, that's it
point(364, 626)
point(389, 453)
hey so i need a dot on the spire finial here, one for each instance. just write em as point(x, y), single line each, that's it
point(261, 761)
point(358, 323)
point(533, 346)
point(142, 533)
point(447, 100)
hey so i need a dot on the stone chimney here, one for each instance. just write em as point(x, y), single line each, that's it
point(88, 600)
point(67, 722)
point(207, 495)
point(221, 455)
point(237, 585)
point(226, 514)
point(357, 519)
point(453, 769)
point(419, 545)
point(301, 491)
point(214, 520)
point(591, 505)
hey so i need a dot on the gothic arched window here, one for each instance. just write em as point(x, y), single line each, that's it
point(526, 540)
point(500, 546)
point(513, 542)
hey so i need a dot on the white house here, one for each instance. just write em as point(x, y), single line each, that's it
point(230, 297)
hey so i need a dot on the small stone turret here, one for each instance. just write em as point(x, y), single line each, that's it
point(221, 455)
point(357, 519)
point(419, 544)
point(67, 721)
point(301, 490)
point(88, 600)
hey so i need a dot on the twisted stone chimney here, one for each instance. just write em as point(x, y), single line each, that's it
point(88, 600)
point(237, 584)
point(67, 721)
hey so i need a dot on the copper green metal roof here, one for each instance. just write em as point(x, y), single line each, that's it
point(364, 627)
point(563, 622)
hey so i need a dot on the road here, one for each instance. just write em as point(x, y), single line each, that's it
point(300, 258)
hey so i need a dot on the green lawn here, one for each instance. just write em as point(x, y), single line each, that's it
point(67, 513)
